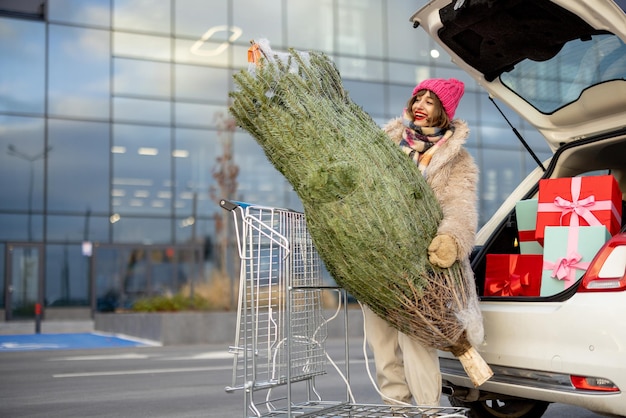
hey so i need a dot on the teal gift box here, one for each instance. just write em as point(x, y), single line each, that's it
point(567, 252)
point(526, 214)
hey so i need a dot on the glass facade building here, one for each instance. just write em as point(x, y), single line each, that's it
point(114, 128)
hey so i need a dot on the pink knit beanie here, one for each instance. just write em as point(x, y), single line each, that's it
point(449, 92)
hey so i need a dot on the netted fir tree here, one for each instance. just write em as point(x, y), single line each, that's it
point(365, 202)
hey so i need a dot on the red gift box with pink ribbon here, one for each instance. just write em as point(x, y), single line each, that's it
point(513, 275)
point(579, 201)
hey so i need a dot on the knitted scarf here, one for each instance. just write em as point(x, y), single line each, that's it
point(421, 143)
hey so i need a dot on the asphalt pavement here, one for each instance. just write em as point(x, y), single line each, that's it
point(59, 373)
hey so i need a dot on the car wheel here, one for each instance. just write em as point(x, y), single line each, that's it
point(505, 408)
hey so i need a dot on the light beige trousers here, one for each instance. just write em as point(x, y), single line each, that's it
point(405, 369)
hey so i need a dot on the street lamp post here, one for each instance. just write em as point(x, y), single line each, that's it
point(11, 150)
point(28, 263)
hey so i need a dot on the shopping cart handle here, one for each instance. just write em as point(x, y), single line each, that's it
point(232, 205)
point(228, 205)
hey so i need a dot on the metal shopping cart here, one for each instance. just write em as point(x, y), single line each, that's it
point(281, 331)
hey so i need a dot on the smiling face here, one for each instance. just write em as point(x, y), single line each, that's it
point(422, 109)
point(426, 109)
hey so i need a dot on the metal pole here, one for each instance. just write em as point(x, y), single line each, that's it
point(37, 318)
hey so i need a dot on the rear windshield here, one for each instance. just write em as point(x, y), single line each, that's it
point(550, 85)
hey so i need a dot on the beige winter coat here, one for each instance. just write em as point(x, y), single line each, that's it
point(453, 176)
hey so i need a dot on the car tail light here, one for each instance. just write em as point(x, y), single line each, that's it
point(594, 383)
point(607, 271)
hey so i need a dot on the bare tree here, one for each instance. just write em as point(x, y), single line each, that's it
point(225, 173)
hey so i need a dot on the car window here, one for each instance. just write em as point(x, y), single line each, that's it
point(595, 173)
point(549, 85)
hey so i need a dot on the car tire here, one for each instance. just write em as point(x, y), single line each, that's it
point(506, 408)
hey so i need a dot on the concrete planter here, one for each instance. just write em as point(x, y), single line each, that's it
point(180, 328)
point(174, 328)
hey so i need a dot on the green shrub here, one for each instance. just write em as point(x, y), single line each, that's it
point(175, 303)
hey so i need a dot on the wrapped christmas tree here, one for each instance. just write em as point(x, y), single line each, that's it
point(365, 202)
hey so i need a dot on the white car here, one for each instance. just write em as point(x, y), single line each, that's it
point(561, 65)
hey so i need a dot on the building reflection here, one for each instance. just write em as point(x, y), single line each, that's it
point(131, 97)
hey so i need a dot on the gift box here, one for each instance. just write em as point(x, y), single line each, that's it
point(513, 275)
point(567, 252)
point(584, 201)
point(526, 215)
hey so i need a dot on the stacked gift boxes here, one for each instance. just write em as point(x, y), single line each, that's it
point(559, 233)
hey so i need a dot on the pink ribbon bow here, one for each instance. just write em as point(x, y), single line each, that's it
point(564, 267)
point(579, 208)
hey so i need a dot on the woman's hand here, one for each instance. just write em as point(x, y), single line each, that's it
point(442, 251)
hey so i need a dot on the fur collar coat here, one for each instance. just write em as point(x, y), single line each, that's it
point(453, 176)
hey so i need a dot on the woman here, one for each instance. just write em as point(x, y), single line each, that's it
point(428, 133)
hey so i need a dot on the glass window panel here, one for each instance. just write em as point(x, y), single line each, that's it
point(142, 163)
point(201, 83)
point(194, 17)
point(439, 56)
point(82, 12)
point(258, 181)
point(361, 69)
point(141, 46)
point(142, 15)
point(67, 276)
point(79, 75)
point(24, 9)
point(78, 228)
point(240, 57)
point(534, 138)
point(208, 53)
point(138, 110)
point(500, 174)
point(310, 25)
point(78, 166)
point(292, 200)
point(142, 230)
point(2, 263)
point(192, 268)
point(22, 153)
point(380, 121)
point(447, 72)
point(167, 276)
point(474, 151)
point(21, 227)
point(404, 42)
point(197, 115)
point(196, 157)
point(530, 164)
point(468, 109)
point(203, 230)
point(125, 274)
point(497, 136)
point(110, 266)
point(408, 73)
point(141, 78)
point(489, 114)
point(360, 27)
point(252, 16)
point(370, 96)
point(398, 98)
point(22, 67)
point(205, 234)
